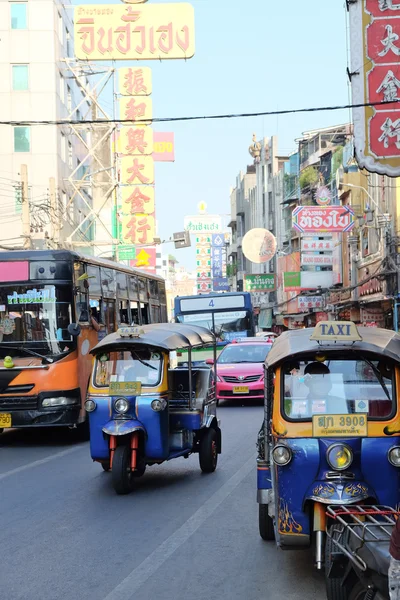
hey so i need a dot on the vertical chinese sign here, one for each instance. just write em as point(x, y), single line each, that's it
point(375, 79)
point(218, 263)
point(203, 263)
point(137, 196)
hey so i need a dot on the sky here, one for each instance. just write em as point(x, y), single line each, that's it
point(250, 57)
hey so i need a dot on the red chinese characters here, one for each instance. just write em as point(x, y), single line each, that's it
point(137, 201)
point(134, 83)
point(136, 172)
point(136, 141)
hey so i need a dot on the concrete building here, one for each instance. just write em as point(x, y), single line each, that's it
point(36, 85)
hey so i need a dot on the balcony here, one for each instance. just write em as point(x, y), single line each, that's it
point(232, 248)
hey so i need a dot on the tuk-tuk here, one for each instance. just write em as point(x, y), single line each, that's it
point(144, 409)
point(330, 434)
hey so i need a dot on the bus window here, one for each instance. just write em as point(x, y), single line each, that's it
point(153, 286)
point(155, 314)
point(144, 309)
point(133, 287)
point(122, 285)
point(123, 312)
point(109, 316)
point(108, 282)
point(143, 297)
point(94, 280)
point(135, 313)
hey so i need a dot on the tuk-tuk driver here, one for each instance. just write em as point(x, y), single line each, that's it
point(317, 378)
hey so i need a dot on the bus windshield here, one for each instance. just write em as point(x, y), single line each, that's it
point(228, 324)
point(35, 317)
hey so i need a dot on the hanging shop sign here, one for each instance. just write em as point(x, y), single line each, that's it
point(259, 245)
point(321, 260)
point(33, 296)
point(118, 32)
point(304, 302)
point(375, 51)
point(323, 196)
point(317, 245)
point(259, 283)
point(164, 146)
point(313, 219)
point(135, 81)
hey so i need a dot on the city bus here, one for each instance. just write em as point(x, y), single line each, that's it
point(228, 315)
point(55, 305)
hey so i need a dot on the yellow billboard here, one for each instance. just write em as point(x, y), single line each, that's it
point(135, 140)
point(137, 199)
point(136, 108)
point(135, 81)
point(143, 32)
point(137, 170)
point(138, 229)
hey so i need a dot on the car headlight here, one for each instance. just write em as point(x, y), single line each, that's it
point(158, 404)
point(121, 405)
point(282, 455)
point(59, 401)
point(339, 456)
point(394, 456)
point(90, 405)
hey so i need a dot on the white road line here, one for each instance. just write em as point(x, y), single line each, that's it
point(42, 461)
point(138, 577)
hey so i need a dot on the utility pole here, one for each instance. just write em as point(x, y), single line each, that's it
point(54, 216)
point(26, 225)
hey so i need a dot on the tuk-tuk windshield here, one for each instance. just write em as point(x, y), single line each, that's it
point(138, 365)
point(338, 387)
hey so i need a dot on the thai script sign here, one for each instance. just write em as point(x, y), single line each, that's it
point(305, 302)
point(202, 223)
point(330, 219)
point(322, 260)
point(375, 51)
point(259, 283)
point(118, 32)
point(291, 281)
point(221, 285)
point(33, 296)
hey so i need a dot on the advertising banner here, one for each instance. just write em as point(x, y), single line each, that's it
point(312, 219)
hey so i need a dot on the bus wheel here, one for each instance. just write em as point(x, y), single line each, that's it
point(265, 523)
point(122, 477)
point(208, 452)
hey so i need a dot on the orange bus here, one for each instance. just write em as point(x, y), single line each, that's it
point(55, 305)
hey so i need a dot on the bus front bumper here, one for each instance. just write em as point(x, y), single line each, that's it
point(47, 409)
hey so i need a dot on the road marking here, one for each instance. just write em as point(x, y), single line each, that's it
point(140, 574)
point(42, 461)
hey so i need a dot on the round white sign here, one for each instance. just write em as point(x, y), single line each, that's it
point(259, 245)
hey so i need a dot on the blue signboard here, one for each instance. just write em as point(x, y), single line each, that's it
point(220, 284)
point(218, 240)
point(216, 261)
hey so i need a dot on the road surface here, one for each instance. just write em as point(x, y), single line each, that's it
point(65, 534)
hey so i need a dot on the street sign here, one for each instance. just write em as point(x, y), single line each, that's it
point(182, 239)
point(126, 252)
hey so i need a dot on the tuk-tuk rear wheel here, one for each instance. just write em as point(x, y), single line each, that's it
point(334, 588)
point(208, 451)
point(122, 476)
point(265, 523)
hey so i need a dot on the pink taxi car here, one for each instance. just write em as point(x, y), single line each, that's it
point(240, 369)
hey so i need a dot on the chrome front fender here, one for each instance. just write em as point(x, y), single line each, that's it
point(119, 427)
point(351, 492)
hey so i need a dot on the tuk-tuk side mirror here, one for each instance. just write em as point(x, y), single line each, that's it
point(74, 329)
point(209, 361)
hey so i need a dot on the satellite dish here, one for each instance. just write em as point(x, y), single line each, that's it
point(259, 245)
point(339, 178)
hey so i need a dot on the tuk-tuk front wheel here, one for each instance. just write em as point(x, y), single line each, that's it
point(208, 451)
point(122, 476)
point(334, 588)
point(265, 523)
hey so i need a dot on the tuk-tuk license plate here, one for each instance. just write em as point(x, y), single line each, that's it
point(5, 420)
point(240, 389)
point(340, 425)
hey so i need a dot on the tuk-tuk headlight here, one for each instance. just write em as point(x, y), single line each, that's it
point(394, 456)
point(339, 456)
point(282, 455)
point(158, 404)
point(90, 405)
point(121, 405)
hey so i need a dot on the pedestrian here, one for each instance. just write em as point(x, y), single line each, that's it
point(394, 568)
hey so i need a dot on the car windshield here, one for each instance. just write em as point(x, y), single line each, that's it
point(244, 353)
point(338, 387)
point(35, 317)
point(228, 325)
point(143, 366)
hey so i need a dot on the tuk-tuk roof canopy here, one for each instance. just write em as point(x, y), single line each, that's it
point(294, 343)
point(168, 336)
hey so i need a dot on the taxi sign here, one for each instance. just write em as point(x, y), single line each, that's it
point(336, 331)
point(130, 331)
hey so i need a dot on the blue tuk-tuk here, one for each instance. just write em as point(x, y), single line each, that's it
point(144, 408)
point(330, 435)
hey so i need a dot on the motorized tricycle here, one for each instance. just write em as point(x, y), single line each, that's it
point(144, 409)
point(330, 434)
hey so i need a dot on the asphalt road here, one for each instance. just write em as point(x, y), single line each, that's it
point(65, 534)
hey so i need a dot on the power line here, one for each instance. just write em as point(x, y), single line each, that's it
point(198, 117)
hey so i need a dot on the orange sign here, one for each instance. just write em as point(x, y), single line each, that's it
point(137, 170)
point(118, 32)
point(136, 140)
point(135, 82)
point(138, 199)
